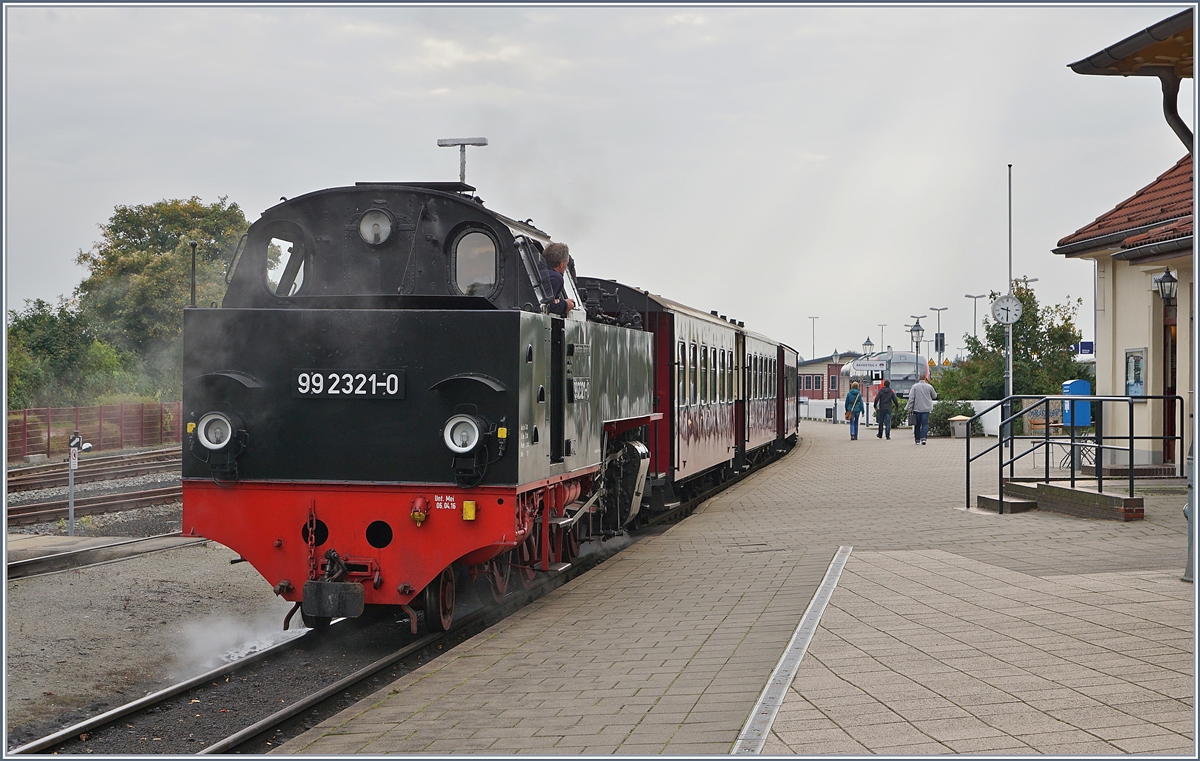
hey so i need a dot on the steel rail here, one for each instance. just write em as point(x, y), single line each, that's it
point(96, 459)
point(39, 512)
point(73, 731)
point(548, 583)
point(45, 564)
point(91, 473)
point(544, 585)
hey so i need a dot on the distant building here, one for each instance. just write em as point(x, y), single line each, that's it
point(819, 378)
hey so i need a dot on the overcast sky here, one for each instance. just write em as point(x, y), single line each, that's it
point(773, 163)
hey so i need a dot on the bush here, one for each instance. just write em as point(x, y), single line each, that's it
point(939, 419)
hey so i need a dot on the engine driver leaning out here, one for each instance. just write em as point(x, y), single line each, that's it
point(557, 256)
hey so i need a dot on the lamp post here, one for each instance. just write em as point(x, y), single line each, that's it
point(461, 143)
point(939, 340)
point(814, 331)
point(882, 325)
point(917, 332)
point(975, 313)
point(867, 346)
point(837, 369)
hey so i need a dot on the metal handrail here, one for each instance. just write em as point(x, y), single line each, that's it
point(1095, 441)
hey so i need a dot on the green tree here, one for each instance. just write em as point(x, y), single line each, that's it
point(1042, 353)
point(56, 360)
point(139, 279)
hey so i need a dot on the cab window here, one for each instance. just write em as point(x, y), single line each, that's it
point(285, 266)
point(475, 255)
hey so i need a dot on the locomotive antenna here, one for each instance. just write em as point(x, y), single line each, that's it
point(462, 143)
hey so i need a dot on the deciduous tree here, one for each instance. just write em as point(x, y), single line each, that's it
point(1043, 353)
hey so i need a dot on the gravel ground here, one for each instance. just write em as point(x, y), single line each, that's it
point(117, 631)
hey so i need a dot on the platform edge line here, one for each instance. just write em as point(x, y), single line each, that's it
point(758, 726)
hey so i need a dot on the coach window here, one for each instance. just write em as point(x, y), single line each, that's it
point(692, 374)
point(475, 263)
point(681, 376)
point(720, 374)
point(285, 266)
point(774, 380)
point(704, 375)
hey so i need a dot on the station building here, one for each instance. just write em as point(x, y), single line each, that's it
point(1142, 249)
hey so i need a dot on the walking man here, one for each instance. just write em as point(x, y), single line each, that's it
point(920, 401)
point(883, 410)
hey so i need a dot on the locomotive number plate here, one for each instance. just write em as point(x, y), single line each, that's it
point(357, 384)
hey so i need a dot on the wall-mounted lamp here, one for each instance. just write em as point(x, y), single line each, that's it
point(1167, 287)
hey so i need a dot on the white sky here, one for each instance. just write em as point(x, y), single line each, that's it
point(773, 163)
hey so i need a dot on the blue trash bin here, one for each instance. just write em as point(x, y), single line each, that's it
point(1083, 410)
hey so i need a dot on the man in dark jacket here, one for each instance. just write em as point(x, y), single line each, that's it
point(557, 258)
point(883, 409)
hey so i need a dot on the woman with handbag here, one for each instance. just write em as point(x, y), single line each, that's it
point(854, 408)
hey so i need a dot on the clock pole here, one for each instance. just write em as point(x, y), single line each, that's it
point(1008, 347)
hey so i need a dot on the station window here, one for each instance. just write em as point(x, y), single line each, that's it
point(692, 374)
point(475, 263)
point(816, 383)
point(285, 266)
point(807, 382)
point(704, 398)
point(681, 376)
point(833, 382)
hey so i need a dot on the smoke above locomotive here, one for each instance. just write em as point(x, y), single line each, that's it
point(383, 404)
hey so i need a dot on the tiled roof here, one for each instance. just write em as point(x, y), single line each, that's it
point(1167, 200)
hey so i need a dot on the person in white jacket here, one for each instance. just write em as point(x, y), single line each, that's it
point(920, 403)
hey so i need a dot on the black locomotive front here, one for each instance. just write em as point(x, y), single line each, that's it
point(381, 395)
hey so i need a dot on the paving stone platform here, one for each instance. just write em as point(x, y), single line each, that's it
point(952, 630)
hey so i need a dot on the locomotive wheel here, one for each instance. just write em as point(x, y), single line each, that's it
point(315, 622)
point(525, 556)
point(439, 602)
point(498, 575)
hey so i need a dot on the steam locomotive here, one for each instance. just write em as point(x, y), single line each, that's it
point(383, 406)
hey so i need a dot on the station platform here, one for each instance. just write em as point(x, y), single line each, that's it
point(948, 630)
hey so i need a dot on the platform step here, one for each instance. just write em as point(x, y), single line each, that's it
point(991, 503)
point(559, 567)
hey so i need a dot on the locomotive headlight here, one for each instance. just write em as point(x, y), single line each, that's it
point(215, 430)
point(462, 433)
point(375, 227)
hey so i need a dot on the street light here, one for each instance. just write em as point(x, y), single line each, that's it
point(1026, 279)
point(1167, 287)
point(814, 327)
point(867, 346)
point(837, 369)
point(975, 313)
point(939, 341)
point(462, 143)
point(917, 331)
point(881, 325)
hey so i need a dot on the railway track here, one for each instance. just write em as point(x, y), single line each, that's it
point(97, 554)
point(100, 468)
point(134, 727)
point(52, 510)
